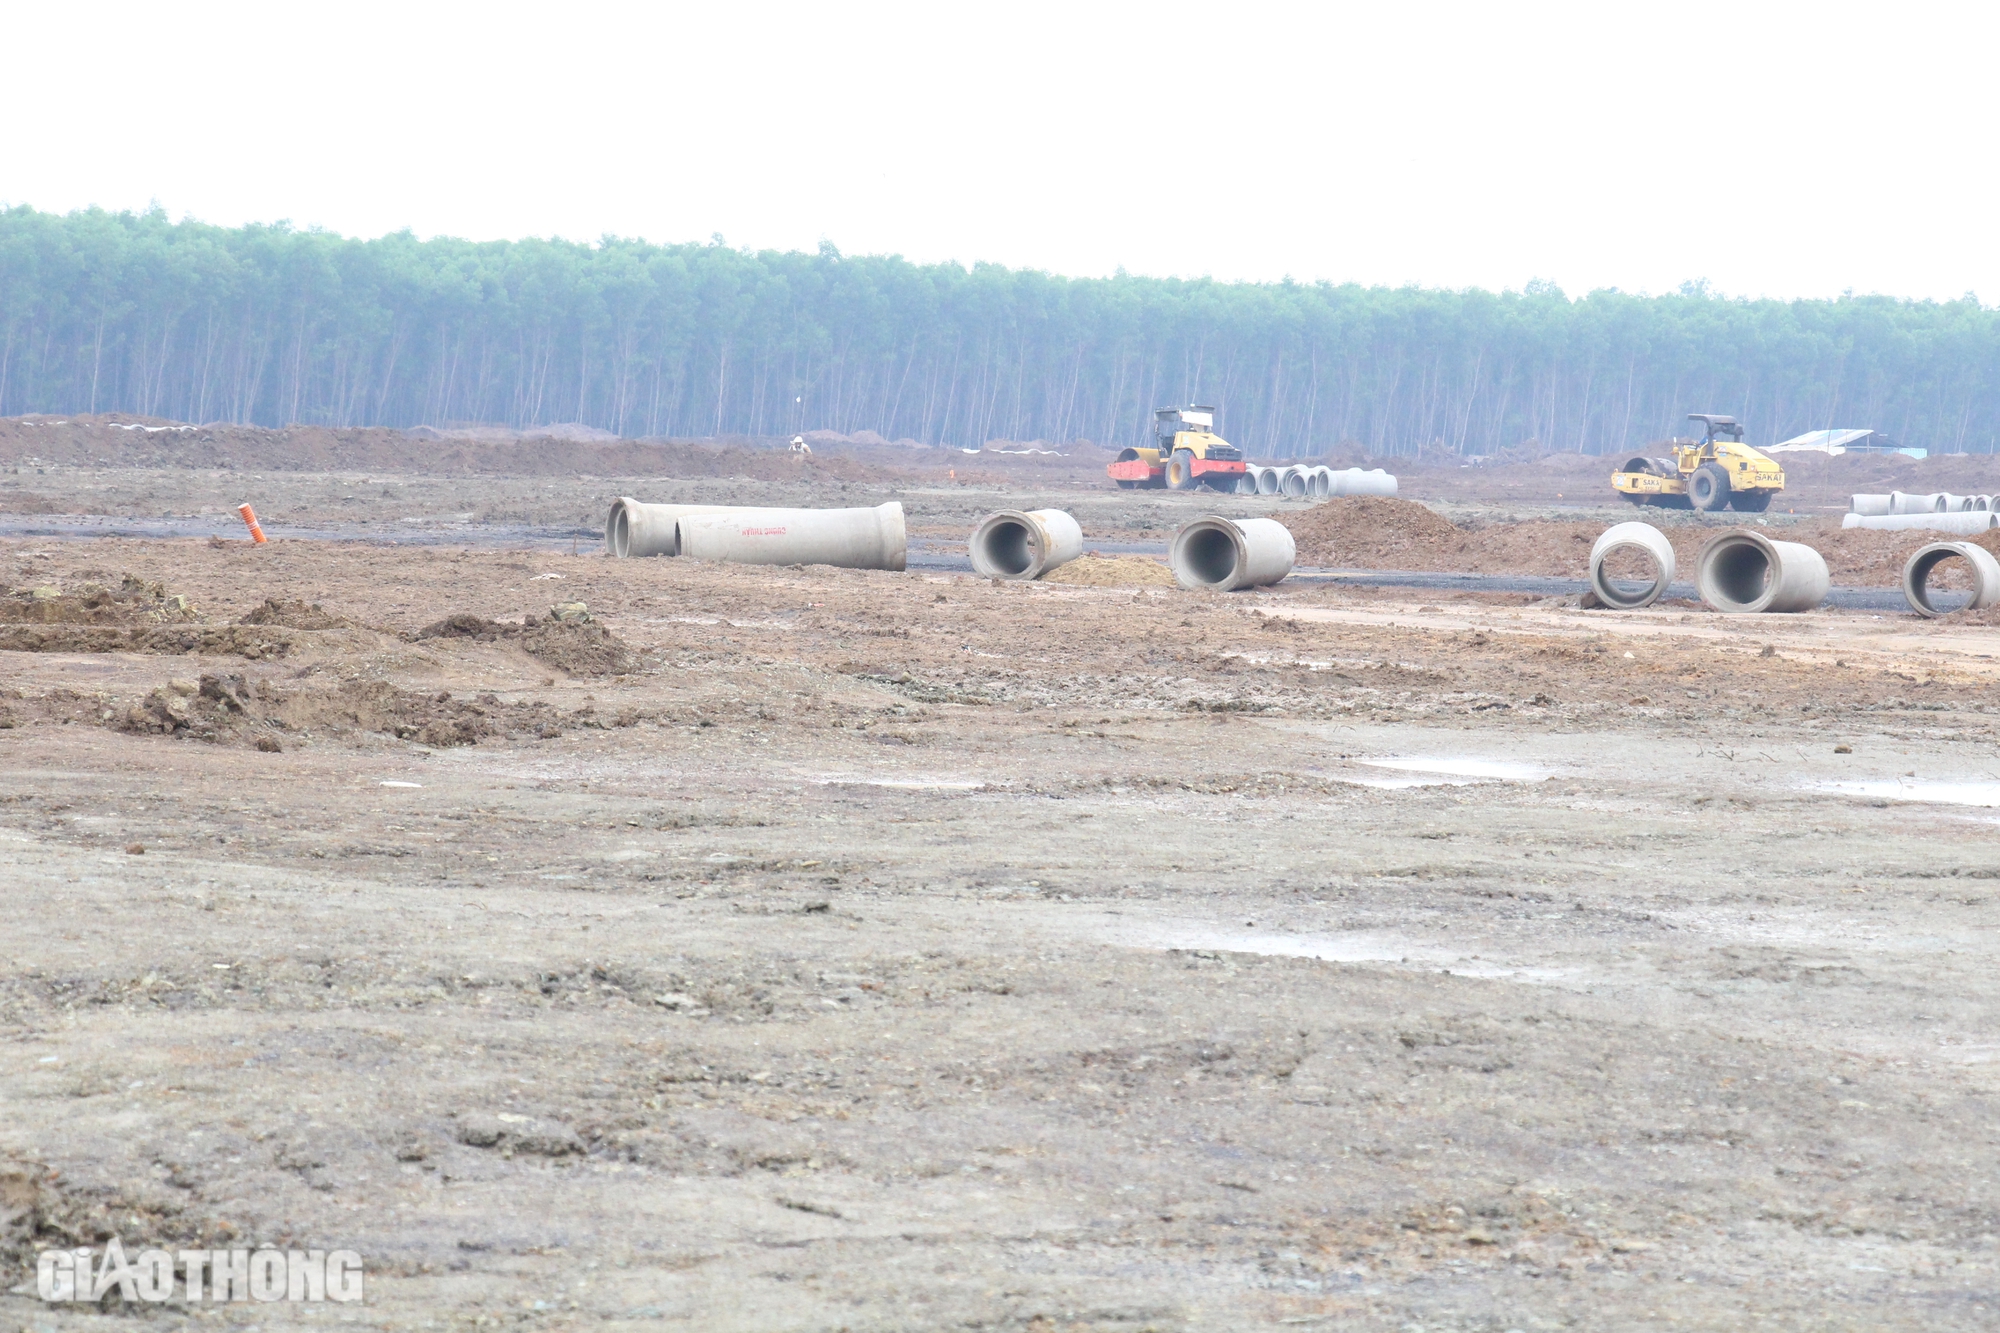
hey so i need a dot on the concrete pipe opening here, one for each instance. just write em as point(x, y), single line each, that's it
point(1631, 566)
point(1974, 587)
point(618, 531)
point(1270, 480)
point(1322, 483)
point(1294, 485)
point(1744, 572)
point(635, 529)
point(1226, 554)
point(1017, 544)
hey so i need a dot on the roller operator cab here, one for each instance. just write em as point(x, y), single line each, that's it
point(1715, 472)
point(1186, 453)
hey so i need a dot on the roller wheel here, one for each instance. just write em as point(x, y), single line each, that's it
point(1180, 471)
point(1124, 485)
point(1636, 499)
point(1750, 502)
point(1708, 488)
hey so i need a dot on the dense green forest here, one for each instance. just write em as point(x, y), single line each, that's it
point(105, 312)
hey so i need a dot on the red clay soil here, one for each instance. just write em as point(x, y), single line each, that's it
point(1376, 533)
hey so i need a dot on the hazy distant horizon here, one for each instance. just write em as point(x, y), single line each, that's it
point(1771, 151)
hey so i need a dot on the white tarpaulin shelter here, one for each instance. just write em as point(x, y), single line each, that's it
point(1831, 442)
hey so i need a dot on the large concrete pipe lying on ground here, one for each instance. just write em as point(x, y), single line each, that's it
point(1024, 544)
point(851, 538)
point(1322, 482)
point(1270, 481)
point(1902, 502)
point(635, 529)
point(1642, 537)
point(1964, 524)
point(1745, 571)
point(1225, 554)
point(1294, 484)
point(1870, 506)
point(1917, 577)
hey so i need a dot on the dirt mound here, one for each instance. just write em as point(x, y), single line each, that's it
point(1112, 571)
point(566, 639)
point(1371, 532)
point(295, 613)
point(247, 641)
point(134, 617)
point(227, 708)
point(133, 602)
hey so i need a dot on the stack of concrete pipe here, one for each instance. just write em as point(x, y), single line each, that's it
point(1024, 544)
point(1903, 502)
point(1224, 554)
point(1302, 481)
point(850, 538)
point(1964, 522)
point(1917, 577)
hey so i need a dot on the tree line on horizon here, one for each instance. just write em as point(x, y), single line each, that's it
point(271, 325)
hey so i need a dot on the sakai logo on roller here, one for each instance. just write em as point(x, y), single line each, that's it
point(198, 1276)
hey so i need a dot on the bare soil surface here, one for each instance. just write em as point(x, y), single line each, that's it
point(1375, 533)
point(596, 943)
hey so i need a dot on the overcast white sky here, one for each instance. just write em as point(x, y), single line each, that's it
point(1770, 148)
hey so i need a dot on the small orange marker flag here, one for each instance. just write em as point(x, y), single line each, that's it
point(250, 521)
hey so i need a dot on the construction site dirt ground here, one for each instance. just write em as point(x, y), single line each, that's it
point(817, 949)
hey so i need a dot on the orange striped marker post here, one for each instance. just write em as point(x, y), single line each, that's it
point(250, 522)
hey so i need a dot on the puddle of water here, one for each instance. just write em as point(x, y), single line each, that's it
point(1323, 948)
point(1911, 789)
point(1500, 770)
point(907, 784)
point(1402, 784)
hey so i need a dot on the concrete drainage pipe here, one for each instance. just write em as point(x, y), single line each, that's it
point(1902, 502)
point(850, 538)
point(1964, 524)
point(1270, 480)
point(1294, 484)
point(1226, 554)
point(635, 529)
point(1917, 577)
point(1372, 482)
point(1871, 506)
point(1641, 537)
point(1322, 483)
point(1024, 544)
point(1744, 571)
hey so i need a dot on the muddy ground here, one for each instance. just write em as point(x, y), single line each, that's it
point(815, 949)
